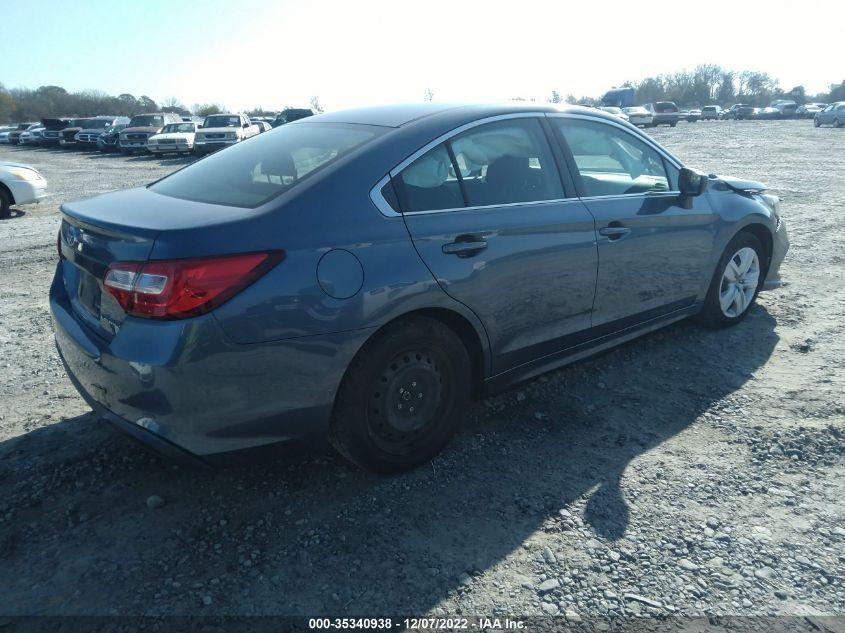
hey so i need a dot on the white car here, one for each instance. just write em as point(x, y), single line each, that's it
point(20, 184)
point(262, 126)
point(4, 133)
point(221, 130)
point(174, 138)
point(32, 136)
point(615, 111)
point(638, 115)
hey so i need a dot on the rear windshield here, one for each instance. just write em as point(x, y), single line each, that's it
point(222, 121)
point(147, 120)
point(666, 106)
point(171, 128)
point(255, 171)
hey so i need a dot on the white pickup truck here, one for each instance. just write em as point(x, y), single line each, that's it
point(222, 130)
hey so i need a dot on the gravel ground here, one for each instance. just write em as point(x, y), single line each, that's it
point(690, 472)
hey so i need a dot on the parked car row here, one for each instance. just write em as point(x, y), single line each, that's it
point(667, 113)
point(157, 133)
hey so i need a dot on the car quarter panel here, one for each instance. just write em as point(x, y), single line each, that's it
point(188, 383)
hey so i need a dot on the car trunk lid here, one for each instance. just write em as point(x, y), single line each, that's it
point(138, 225)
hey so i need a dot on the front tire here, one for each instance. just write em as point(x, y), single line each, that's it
point(5, 203)
point(736, 282)
point(837, 123)
point(403, 396)
point(816, 122)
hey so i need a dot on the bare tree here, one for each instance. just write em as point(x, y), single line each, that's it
point(315, 105)
point(429, 94)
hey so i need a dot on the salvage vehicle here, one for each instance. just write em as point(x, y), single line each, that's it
point(223, 130)
point(638, 115)
point(833, 114)
point(88, 135)
point(614, 111)
point(15, 135)
point(664, 113)
point(713, 112)
point(786, 109)
point(809, 110)
point(52, 131)
point(363, 274)
point(109, 139)
point(693, 115)
point(32, 136)
point(141, 127)
point(290, 115)
point(744, 111)
point(67, 136)
point(174, 138)
point(20, 184)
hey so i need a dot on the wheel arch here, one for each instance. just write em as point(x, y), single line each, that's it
point(468, 332)
point(762, 233)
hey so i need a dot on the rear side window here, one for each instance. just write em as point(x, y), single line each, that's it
point(252, 173)
point(505, 162)
point(611, 161)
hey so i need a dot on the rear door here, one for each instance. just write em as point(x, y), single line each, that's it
point(490, 217)
point(654, 254)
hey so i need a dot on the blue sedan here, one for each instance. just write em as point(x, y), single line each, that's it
point(362, 275)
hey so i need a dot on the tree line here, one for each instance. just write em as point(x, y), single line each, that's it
point(25, 104)
point(711, 84)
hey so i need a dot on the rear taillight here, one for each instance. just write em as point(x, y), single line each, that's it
point(182, 288)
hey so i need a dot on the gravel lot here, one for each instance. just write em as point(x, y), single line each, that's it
point(690, 472)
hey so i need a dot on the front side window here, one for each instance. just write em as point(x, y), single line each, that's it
point(505, 162)
point(611, 161)
point(251, 174)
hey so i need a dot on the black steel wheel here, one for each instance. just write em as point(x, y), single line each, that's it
point(403, 396)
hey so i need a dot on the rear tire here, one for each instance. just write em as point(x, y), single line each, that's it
point(403, 396)
point(736, 282)
point(816, 122)
point(837, 123)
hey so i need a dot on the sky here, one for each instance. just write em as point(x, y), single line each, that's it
point(362, 52)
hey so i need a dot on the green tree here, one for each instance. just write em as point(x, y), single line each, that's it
point(206, 109)
point(837, 92)
point(7, 105)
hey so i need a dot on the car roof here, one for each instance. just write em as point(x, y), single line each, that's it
point(401, 115)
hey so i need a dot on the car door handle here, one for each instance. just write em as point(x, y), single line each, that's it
point(464, 248)
point(614, 232)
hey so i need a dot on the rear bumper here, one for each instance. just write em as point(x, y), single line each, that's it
point(780, 246)
point(183, 385)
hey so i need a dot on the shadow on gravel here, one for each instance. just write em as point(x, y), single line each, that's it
point(309, 534)
point(13, 214)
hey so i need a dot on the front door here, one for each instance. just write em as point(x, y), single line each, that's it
point(654, 254)
point(488, 215)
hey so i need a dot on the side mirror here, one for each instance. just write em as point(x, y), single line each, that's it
point(691, 183)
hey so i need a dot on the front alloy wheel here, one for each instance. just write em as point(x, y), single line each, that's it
point(739, 282)
point(735, 283)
